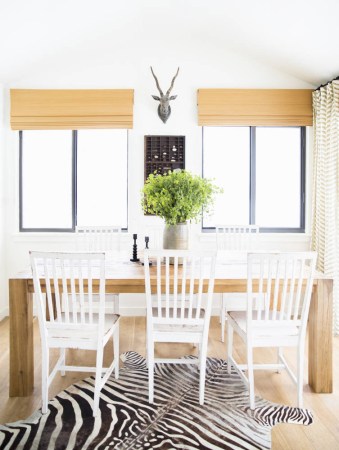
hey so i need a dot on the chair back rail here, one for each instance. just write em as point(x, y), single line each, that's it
point(237, 237)
point(182, 276)
point(283, 283)
point(68, 281)
point(99, 238)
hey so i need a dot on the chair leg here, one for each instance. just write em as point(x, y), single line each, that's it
point(63, 361)
point(279, 354)
point(221, 307)
point(97, 386)
point(223, 319)
point(116, 351)
point(44, 379)
point(202, 365)
point(229, 345)
point(116, 304)
point(250, 374)
point(300, 375)
point(150, 360)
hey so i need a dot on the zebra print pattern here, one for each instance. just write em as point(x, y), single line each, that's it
point(175, 420)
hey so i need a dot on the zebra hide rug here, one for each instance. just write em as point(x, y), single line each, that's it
point(175, 420)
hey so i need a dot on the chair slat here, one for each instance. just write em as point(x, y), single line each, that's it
point(175, 287)
point(276, 290)
point(158, 285)
point(283, 300)
point(200, 289)
point(183, 288)
point(297, 300)
point(167, 291)
point(291, 296)
point(48, 292)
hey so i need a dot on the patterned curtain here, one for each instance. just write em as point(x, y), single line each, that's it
point(325, 232)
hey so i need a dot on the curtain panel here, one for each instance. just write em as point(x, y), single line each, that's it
point(325, 224)
point(71, 109)
point(255, 107)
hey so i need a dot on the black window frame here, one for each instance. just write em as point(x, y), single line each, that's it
point(252, 182)
point(74, 188)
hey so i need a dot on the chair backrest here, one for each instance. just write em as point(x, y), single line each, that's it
point(64, 284)
point(177, 280)
point(155, 235)
point(99, 238)
point(283, 281)
point(237, 237)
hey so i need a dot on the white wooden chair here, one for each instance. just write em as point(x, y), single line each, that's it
point(180, 317)
point(69, 280)
point(234, 240)
point(101, 239)
point(155, 235)
point(285, 281)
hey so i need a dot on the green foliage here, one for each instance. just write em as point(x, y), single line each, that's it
point(178, 196)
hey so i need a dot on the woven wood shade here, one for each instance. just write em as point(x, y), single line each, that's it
point(256, 107)
point(60, 109)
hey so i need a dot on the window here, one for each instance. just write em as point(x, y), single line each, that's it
point(262, 172)
point(102, 177)
point(72, 178)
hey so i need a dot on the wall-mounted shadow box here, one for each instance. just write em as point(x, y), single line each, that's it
point(164, 153)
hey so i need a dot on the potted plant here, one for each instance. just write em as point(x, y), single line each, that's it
point(178, 197)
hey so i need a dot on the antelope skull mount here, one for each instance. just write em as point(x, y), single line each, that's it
point(164, 108)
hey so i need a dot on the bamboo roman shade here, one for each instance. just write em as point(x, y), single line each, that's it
point(255, 107)
point(71, 109)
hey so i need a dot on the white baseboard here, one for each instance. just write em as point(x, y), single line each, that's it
point(127, 312)
point(135, 311)
point(4, 313)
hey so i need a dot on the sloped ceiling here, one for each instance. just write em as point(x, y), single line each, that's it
point(298, 38)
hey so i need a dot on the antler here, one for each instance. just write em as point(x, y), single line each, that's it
point(156, 80)
point(172, 84)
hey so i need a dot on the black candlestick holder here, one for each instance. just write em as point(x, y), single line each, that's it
point(146, 248)
point(135, 249)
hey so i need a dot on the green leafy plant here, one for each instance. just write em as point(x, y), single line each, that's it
point(178, 196)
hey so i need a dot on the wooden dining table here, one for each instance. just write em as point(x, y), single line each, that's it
point(126, 277)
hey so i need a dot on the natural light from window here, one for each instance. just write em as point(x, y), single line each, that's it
point(47, 179)
point(102, 177)
point(226, 160)
point(278, 177)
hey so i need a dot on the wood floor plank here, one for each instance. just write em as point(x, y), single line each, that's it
point(323, 434)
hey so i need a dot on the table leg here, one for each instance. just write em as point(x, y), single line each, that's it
point(320, 338)
point(21, 377)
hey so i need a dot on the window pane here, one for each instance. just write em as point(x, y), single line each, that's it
point(46, 179)
point(278, 168)
point(102, 177)
point(227, 160)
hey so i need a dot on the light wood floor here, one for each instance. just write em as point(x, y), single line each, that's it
point(323, 434)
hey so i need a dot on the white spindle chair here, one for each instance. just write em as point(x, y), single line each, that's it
point(284, 281)
point(179, 314)
point(234, 240)
point(101, 239)
point(155, 235)
point(66, 314)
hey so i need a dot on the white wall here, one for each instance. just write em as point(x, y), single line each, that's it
point(3, 266)
point(200, 67)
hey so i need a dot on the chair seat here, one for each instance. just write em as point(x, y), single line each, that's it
point(82, 334)
point(264, 328)
point(171, 324)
